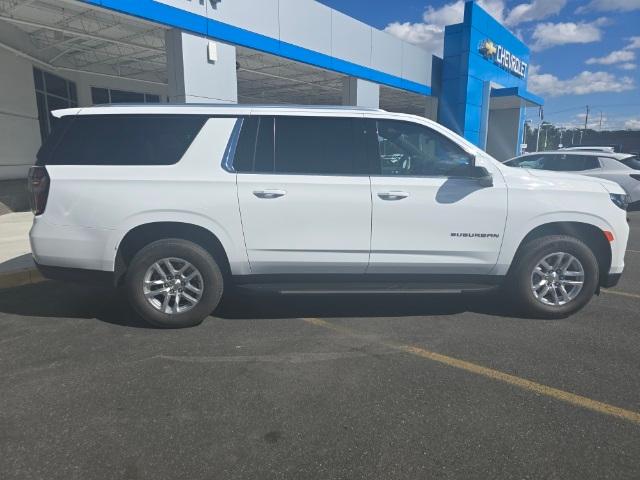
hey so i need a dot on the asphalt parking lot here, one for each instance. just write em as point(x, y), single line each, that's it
point(356, 387)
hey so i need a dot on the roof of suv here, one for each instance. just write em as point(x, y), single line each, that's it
point(588, 153)
point(208, 109)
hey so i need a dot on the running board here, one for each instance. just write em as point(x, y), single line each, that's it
point(349, 288)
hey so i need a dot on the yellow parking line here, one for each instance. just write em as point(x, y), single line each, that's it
point(624, 294)
point(568, 397)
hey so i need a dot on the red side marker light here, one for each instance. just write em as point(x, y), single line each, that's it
point(608, 235)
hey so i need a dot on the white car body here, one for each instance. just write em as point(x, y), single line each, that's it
point(608, 165)
point(589, 149)
point(321, 223)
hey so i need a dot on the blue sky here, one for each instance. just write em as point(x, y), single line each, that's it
point(584, 52)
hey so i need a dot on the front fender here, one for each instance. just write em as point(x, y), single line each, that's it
point(516, 232)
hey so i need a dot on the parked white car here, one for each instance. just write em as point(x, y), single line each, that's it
point(622, 168)
point(587, 148)
point(179, 203)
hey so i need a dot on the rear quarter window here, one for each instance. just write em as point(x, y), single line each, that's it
point(631, 162)
point(124, 140)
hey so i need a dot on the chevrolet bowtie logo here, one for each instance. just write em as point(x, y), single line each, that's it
point(488, 48)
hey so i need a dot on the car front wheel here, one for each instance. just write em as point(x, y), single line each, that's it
point(554, 277)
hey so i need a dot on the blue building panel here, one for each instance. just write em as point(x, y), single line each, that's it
point(478, 52)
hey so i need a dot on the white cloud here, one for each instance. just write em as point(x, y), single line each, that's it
point(627, 66)
point(429, 34)
point(582, 84)
point(536, 10)
point(624, 58)
point(430, 37)
point(632, 124)
point(610, 6)
point(547, 35)
point(617, 56)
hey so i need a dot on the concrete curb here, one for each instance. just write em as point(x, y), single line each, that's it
point(18, 278)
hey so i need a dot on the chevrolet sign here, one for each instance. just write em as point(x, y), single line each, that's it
point(503, 58)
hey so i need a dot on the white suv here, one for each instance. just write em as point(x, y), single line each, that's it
point(180, 202)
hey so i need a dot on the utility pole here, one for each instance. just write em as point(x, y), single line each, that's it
point(600, 120)
point(541, 114)
point(546, 134)
point(586, 118)
point(586, 121)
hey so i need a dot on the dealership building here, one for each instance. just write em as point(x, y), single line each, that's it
point(66, 53)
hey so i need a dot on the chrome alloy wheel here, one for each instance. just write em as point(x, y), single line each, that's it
point(557, 279)
point(173, 285)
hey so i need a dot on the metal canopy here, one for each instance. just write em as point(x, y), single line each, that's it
point(73, 36)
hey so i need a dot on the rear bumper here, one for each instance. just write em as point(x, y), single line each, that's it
point(77, 275)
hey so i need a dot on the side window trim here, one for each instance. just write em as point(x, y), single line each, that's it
point(232, 143)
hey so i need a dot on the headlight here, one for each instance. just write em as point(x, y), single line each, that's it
point(620, 199)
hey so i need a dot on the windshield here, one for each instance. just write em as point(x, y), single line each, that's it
point(559, 162)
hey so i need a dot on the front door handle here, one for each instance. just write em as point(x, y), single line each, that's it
point(269, 193)
point(395, 195)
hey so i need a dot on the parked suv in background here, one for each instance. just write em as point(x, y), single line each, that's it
point(179, 203)
point(622, 168)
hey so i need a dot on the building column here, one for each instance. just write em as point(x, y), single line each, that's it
point(504, 133)
point(200, 70)
point(431, 108)
point(360, 93)
point(484, 114)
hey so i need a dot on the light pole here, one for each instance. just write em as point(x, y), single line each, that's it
point(524, 135)
point(541, 115)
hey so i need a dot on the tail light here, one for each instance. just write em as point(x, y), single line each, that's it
point(635, 176)
point(39, 189)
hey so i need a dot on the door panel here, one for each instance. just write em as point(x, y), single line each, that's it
point(428, 230)
point(309, 211)
point(426, 217)
point(306, 224)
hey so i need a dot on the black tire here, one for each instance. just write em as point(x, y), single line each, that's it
point(520, 280)
point(202, 260)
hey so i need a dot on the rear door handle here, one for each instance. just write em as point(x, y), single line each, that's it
point(395, 195)
point(269, 193)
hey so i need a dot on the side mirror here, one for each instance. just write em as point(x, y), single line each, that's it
point(485, 179)
point(473, 171)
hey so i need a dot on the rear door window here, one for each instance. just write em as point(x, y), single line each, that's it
point(575, 163)
point(301, 145)
point(126, 140)
point(319, 145)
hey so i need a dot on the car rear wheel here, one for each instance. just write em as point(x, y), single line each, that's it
point(554, 277)
point(174, 283)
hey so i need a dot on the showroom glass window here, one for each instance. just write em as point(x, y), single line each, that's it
point(408, 149)
point(103, 96)
point(52, 93)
